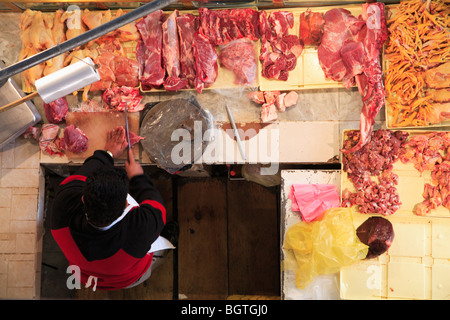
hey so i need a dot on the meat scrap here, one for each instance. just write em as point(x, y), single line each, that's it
point(117, 97)
point(74, 140)
point(239, 57)
point(273, 102)
point(431, 152)
point(374, 160)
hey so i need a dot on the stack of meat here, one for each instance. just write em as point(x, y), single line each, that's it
point(279, 49)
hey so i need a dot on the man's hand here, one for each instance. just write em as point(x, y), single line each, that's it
point(116, 141)
point(132, 167)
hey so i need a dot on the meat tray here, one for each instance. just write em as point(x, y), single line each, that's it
point(225, 77)
point(410, 186)
point(308, 73)
point(417, 265)
point(388, 109)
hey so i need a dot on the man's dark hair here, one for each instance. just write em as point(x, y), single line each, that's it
point(105, 194)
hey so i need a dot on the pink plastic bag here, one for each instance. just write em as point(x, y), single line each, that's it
point(311, 200)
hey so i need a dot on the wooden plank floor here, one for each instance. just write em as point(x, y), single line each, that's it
point(228, 244)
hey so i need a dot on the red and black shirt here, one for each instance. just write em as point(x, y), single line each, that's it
point(117, 257)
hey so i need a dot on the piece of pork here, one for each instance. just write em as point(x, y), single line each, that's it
point(56, 111)
point(73, 140)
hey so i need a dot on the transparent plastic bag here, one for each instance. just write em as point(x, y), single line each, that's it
point(324, 246)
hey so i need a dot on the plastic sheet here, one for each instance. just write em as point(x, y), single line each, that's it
point(67, 80)
point(312, 200)
point(176, 132)
point(323, 247)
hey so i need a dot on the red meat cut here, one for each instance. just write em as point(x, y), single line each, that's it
point(206, 66)
point(340, 27)
point(223, 26)
point(239, 57)
point(311, 27)
point(171, 54)
point(187, 26)
point(350, 52)
point(56, 111)
point(126, 71)
point(279, 49)
point(148, 50)
point(73, 140)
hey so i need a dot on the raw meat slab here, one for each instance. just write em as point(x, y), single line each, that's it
point(96, 126)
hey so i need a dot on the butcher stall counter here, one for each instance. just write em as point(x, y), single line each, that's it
point(309, 132)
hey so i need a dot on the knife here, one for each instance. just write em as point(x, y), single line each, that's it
point(236, 134)
point(127, 133)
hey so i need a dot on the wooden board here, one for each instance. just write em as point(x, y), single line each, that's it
point(253, 239)
point(202, 253)
point(96, 126)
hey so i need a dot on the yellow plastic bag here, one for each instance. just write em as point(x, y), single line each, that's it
point(324, 246)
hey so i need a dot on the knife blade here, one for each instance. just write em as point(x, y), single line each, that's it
point(127, 133)
point(236, 133)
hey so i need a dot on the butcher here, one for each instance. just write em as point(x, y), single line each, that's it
point(110, 222)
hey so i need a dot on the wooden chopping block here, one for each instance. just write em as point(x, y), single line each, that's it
point(96, 125)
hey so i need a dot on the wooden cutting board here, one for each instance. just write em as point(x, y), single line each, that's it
point(96, 125)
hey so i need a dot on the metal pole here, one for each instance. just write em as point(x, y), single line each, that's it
point(83, 38)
